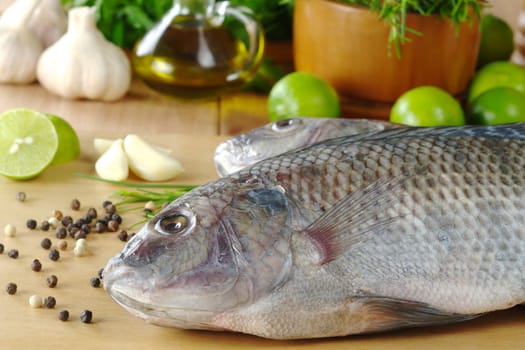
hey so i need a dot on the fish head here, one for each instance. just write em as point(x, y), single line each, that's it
point(211, 251)
point(264, 142)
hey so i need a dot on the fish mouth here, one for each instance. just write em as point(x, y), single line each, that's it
point(161, 315)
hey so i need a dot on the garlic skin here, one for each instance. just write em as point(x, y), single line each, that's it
point(19, 47)
point(149, 163)
point(49, 21)
point(113, 164)
point(83, 64)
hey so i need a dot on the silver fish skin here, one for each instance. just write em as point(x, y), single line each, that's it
point(401, 228)
point(285, 135)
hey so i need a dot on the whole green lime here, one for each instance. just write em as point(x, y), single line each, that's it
point(497, 40)
point(302, 94)
point(500, 105)
point(427, 106)
point(497, 74)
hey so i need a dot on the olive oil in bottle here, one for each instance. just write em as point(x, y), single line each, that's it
point(190, 57)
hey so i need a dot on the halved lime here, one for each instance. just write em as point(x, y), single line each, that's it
point(68, 144)
point(28, 143)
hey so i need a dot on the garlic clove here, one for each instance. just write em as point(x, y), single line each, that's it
point(113, 164)
point(102, 145)
point(48, 21)
point(148, 163)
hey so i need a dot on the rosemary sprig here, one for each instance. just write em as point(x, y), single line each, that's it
point(394, 13)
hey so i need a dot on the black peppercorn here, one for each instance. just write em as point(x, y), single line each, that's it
point(13, 253)
point(86, 316)
point(110, 209)
point(61, 233)
point(113, 226)
point(92, 212)
point(54, 254)
point(44, 225)
point(106, 203)
point(94, 282)
point(21, 196)
point(52, 281)
point(123, 236)
point(85, 228)
point(63, 315)
point(11, 288)
point(117, 218)
point(45, 243)
point(66, 220)
point(31, 224)
point(50, 302)
point(1, 248)
point(101, 226)
point(36, 265)
point(75, 204)
point(80, 235)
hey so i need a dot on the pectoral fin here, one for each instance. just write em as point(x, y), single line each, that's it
point(354, 218)
point(383, 313)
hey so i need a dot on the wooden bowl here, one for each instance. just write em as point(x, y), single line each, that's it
point(348, 46)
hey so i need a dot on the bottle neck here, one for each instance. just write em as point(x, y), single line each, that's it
point(197, 8)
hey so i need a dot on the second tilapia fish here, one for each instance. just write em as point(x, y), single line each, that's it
point(285, 135)
point(401, 228)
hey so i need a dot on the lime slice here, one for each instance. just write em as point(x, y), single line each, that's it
point(28, 143)
point(68, 144)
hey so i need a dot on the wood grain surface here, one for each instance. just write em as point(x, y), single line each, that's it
point(22, 327)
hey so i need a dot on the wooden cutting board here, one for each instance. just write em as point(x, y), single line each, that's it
point(22, 327)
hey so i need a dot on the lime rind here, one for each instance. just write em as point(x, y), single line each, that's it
point(68, 143)
point(28, 143)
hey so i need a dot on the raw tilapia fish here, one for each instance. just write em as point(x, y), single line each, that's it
point(285, 135)
point(401, 228)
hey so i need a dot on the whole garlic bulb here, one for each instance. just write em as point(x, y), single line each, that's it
point(49, 21)
point(19, 46)
point(83, 63)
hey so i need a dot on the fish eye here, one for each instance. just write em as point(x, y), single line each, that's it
point(172, 224)
point(285, 124)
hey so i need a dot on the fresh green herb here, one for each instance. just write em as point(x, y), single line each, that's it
point(124, 22)
point(394, 13)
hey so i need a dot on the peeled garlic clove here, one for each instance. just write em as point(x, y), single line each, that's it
point(113, 164)
point(102, 145)
point(147, 162)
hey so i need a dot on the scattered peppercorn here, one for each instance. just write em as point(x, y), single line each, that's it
point(66, 220)
point(86, 316)
point(94, 282)
point(106, 203)
point(110, 209)
point(92, 212)
point(80, 235)
point(117, 218)
point(75, 204)
point(123, 235)
point(51, 281)
point(85, 228)
point(149, 205)
point(50, 302)
point(1, 248)
point(113, 226)
point(61, 233)
point(12, 253)
point(101, 226)
point(101, 273)
point(10, 230)
point(36, 265)
point(11, 288)
point(62, 244)
point(31, 224)
point(53, 222)
point(57, 214)
point(45, 243)
point(35, 301)
point(54, 254)
point(63, 315)
point(44, 225)
point(21, 196)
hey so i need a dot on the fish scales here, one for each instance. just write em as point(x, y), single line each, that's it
point(357, 234)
